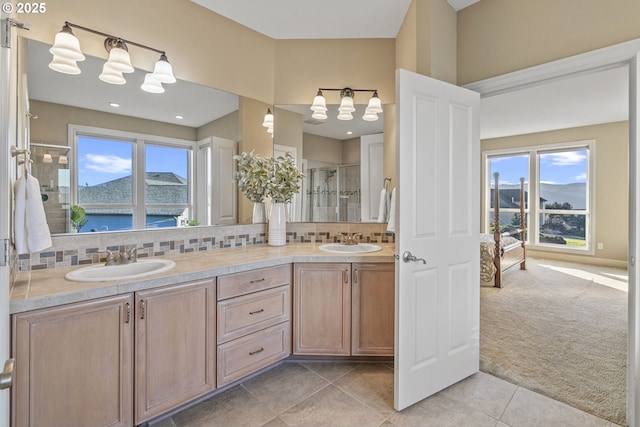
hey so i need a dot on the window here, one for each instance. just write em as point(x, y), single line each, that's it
point(558, 186)
point(128, 181)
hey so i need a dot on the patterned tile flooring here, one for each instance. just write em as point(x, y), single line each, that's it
point(309, 393)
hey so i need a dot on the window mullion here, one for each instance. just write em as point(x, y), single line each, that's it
point(139, 180)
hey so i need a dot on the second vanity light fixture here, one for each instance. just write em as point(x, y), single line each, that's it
point(66, 53)
point(319, 106)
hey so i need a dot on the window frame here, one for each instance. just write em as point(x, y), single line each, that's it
point(533, 212)
point(138, 168)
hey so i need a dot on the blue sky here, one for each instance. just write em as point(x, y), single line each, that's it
point(102, 160)
point(555, 167)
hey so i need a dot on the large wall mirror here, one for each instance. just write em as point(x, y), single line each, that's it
point(338, 186)
point(342, 161)
point(86, 138)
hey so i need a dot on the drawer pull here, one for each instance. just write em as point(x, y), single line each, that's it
point(128, 315)
point(257, 311)
point(260, 350)
point(256, 281)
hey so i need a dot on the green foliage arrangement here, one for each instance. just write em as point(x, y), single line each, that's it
point(76, 216)
point(260, 178)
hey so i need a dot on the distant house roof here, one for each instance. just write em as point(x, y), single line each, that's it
point(510, 198)
point(162, 188)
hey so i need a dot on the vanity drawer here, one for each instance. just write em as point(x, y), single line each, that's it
point(253, 352)
point(249, 313)
point(235, 284)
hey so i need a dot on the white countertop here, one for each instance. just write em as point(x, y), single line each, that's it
point(47, 288)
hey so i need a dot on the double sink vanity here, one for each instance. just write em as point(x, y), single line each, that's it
point(145, 342)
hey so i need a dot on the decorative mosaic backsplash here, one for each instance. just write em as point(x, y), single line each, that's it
point(90, 248)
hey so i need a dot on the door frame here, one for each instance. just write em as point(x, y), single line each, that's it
point(622, 54)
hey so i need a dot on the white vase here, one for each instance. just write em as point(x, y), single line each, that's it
point(259, 213)
point(277, 225)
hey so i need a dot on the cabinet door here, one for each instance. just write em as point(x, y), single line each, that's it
point(322, 309)
point(175, 346)
point(74, 365)
point(373, 291)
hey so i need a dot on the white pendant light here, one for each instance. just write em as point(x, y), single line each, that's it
point(151, 84)
point(111, 76)
point(62, 160)
point(320, 115)
point(65, 66)
point(345, 115)
point(369, 116)
point(163, 71)
point(66, 51)
point(268, 119)
point(119, 59)
point(375, 105)
point(346, 104)
point(47, 158)
point(319, 103)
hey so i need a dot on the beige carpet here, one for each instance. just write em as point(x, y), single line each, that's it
point(560, 335)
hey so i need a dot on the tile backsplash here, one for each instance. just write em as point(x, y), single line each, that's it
point(90, 248)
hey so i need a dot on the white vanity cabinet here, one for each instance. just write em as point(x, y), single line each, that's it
point(74, 365)
point(254, 312)
point(175, 346)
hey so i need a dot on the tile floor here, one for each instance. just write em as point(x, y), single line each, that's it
point(316, 394)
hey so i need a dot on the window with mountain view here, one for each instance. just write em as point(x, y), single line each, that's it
point(126, 181)
point(557, 178)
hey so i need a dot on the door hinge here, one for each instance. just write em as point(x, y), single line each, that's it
point(5, 29)
point(4, 259)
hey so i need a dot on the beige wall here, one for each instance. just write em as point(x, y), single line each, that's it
point(499, 36)
point(225, 127)
point(611, 191)
point(426, 43)
point(51, 126)
point(322, 149)
point(351, 151)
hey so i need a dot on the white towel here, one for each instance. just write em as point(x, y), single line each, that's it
point(383, 210)
point(31, 230)
point(391, 226)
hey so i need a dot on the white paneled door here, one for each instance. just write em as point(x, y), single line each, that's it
point(437, 273)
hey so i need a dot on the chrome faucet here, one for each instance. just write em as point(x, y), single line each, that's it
point(350, 240)
point(122, 257)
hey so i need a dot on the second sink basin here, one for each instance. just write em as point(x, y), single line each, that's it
point(103, 273)
point(350, 249)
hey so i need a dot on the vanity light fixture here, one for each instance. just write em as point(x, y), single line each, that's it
point(62, 160)
point(46, 158)
point(66, 53)
point(268, 122)
point(319, 106)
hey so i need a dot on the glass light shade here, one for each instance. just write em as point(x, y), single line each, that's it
point(375, 105)
point(369, 116)
point(111, 76)
point(320, 115)
point(66, 46)
point(319, 103)
point(268, 120)
point(163, 71)
point(270, 130)
point(65, 66)
point(47, 158)
point(119, 60)
point(345, 115)
point(346, 105)
point(62, 160)
point(151, 84)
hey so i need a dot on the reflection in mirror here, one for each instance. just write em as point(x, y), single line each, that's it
point(186, 115)
point(343, 177)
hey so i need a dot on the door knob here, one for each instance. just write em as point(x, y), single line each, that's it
point(6, 377)
point(409, 257)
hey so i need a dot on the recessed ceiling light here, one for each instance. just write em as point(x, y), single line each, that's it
point(349, 133)
point(179, 117)
point(114, 104)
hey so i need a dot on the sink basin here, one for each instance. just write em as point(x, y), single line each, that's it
point(350, 249)
point(103, 273)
